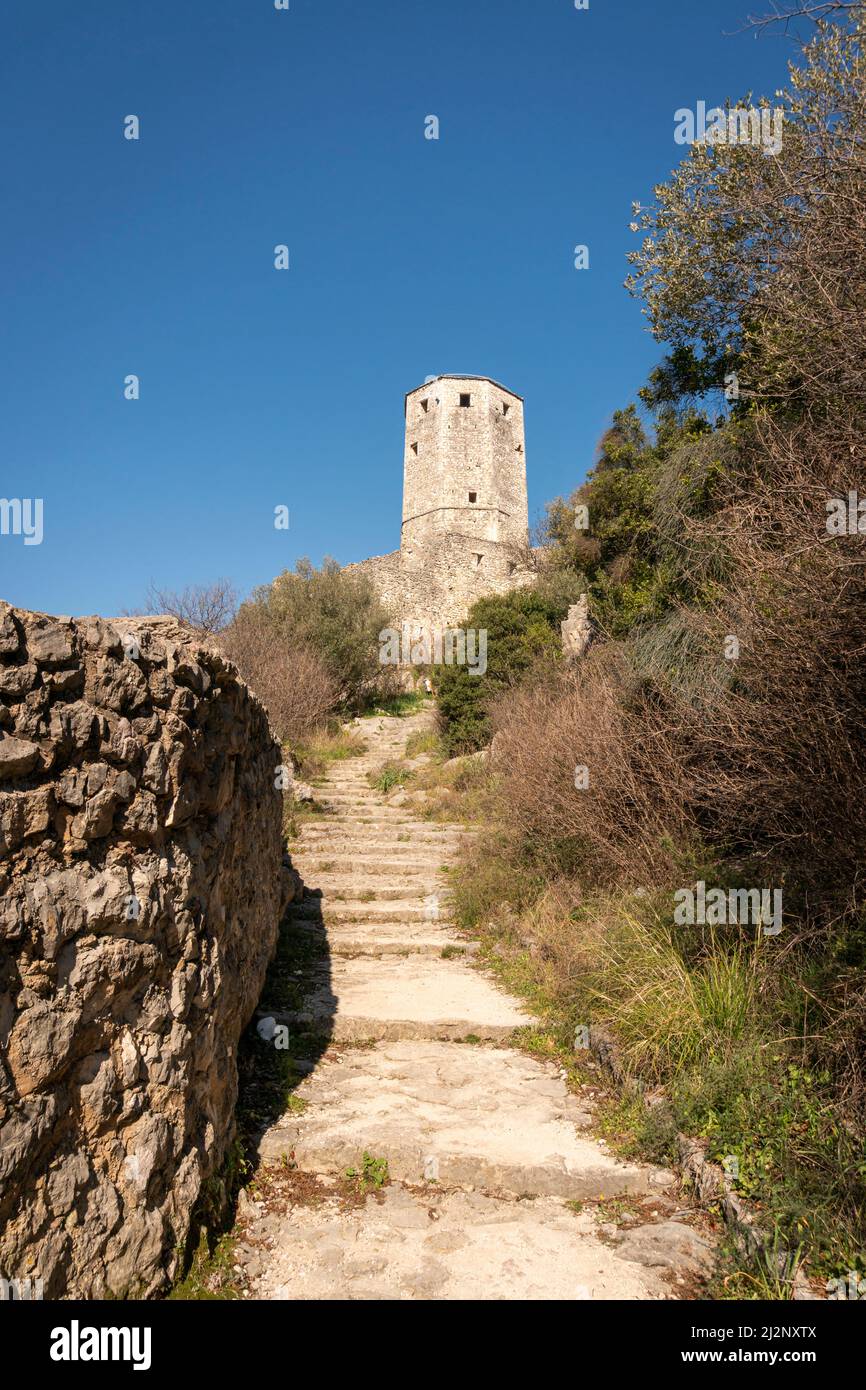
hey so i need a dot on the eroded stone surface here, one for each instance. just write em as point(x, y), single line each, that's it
point(487, 1116)
point(434, 1245)
point(141, 882)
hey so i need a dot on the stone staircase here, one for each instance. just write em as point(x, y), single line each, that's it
point(485, 1146)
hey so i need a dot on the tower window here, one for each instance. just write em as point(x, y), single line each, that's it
point(465, 400)
point(505, 407)
point(477, 558)
point(424, 405)
point(473, 497)
point(414, 448)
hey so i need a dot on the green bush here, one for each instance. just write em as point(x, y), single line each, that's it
point(523, 631)
point(336, 614)
point(638, 557)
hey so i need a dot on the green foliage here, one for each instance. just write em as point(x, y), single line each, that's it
point(522, 633)
point(390, 775)
point(699, 528)
point(684, 375)
point(211, 1275)
point(206, 1261)
point(372, 1174)
point(757, 262)
point(493, 879)
point(338, 615)
point(636, 558)
point(713, 1023)
point(423, 741)
point(400, 704)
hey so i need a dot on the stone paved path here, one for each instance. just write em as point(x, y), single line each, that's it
point(487, 1150)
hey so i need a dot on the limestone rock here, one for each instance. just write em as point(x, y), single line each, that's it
point(17, 679)
point(23, 814)
point(668, 1244)
point(17, 757)
point(49, 644)
point(576, 629)
point(10, 638)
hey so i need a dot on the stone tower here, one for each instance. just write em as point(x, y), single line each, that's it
point(464, 469)
point(465, 530)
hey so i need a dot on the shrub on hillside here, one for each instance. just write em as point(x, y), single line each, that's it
point(337, 615)
point(522, 631)
point(290, 678)
point(722, 728)
point(622, 530)
point(782, 750)
point(206, 608)
point(589, 774)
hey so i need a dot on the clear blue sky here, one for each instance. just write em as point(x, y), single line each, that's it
point(408, 257)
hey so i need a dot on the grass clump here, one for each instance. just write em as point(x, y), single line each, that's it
point(371, 1175)
point(423, 741)
point(390, 775)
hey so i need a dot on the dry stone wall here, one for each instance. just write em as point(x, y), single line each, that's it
point(142, 881)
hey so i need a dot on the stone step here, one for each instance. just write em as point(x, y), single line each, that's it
point(336, 889)
point(414, 998)
point(401, 839)
point(485, 1117)
point(393, 847)
point(343, 786)
point(389, 912)
point(384, 815)
point(367, 822)
point(444, 1246)
point(351, 887)
point(386, 939)
point(384, 864)
point(404, 831)
point(344, 795)
point(484, 1145)
point(346, 826)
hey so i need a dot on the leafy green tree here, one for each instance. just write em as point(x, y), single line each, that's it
point(334, 612)
point(523, 631)
point(610, 532)
point(757, 259)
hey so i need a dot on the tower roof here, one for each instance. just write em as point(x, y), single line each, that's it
point(459, 376)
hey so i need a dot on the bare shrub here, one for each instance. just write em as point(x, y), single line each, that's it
point(629, 823)
point(336, 613)
point(782, 741)
point(203, 607)
point(289, 677)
